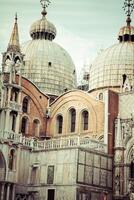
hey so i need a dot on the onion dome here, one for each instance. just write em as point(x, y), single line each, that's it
point(126, 33)
point(112, 64)
point(47, 64)
point(43, 29)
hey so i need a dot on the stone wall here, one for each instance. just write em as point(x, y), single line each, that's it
point(95, 172)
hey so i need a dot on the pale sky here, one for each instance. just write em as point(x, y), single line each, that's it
point(83, 26)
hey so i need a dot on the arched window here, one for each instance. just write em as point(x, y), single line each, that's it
point(72, 120)
point(59, 124)
point(11, 160)
point(24, 125)
point(36, 127)
point(25, 105)
point(132, 170)
point(85, 116)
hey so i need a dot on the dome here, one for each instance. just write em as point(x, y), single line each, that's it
point(48, 66)
point(43, 29)
point(126, 33)
point(126, 30)
point(111, 64)
point(116, 63)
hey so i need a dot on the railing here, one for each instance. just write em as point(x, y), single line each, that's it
point(67, 142)
point(14, 106)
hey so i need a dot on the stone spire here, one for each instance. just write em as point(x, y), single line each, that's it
point(14, 44)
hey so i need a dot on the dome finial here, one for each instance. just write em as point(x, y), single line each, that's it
point(128, 8)
point(45, 4)
point(16, 18)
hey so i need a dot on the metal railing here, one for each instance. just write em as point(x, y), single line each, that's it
point(58, 143)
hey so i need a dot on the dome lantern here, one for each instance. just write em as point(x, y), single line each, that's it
point(126, 33)
point(43, 29)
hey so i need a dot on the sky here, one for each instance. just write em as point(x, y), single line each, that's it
point(84, 27)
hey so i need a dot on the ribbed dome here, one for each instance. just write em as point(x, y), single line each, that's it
point(49, 66)
point(43, 29)
point(126, 33)
point(111, 64)
point(126, 30)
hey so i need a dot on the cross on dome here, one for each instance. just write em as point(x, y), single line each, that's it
point(45, 4)
point(128, 8)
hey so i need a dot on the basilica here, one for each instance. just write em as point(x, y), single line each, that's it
point(59, 141)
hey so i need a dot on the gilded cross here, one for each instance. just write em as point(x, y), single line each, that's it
point(45, 3)
point(128, 7)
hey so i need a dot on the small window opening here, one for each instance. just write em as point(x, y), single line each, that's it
point(100, 96)
point(124, 78)
point(49, 64)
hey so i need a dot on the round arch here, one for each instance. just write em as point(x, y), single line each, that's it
point(128, 151)
point(2, 167)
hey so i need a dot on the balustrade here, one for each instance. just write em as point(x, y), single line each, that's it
point(67, 142)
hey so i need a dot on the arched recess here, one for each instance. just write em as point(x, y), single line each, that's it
point(129, 160)
point(12, 159)
point(2, 167)
point(36, 127)
point(84, 120)
point(13, 116)
point(72, 120)
point(24, 125)
point(59, 124)
point(25, 104)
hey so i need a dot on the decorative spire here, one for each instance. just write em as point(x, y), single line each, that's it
point(128, 8)
point(13, 44)
point(45, 4)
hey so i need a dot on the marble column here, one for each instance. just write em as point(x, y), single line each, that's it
point(7, 120)
point(2, 191)
point(13, 193)
point(17, 123)
point(8, 192)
